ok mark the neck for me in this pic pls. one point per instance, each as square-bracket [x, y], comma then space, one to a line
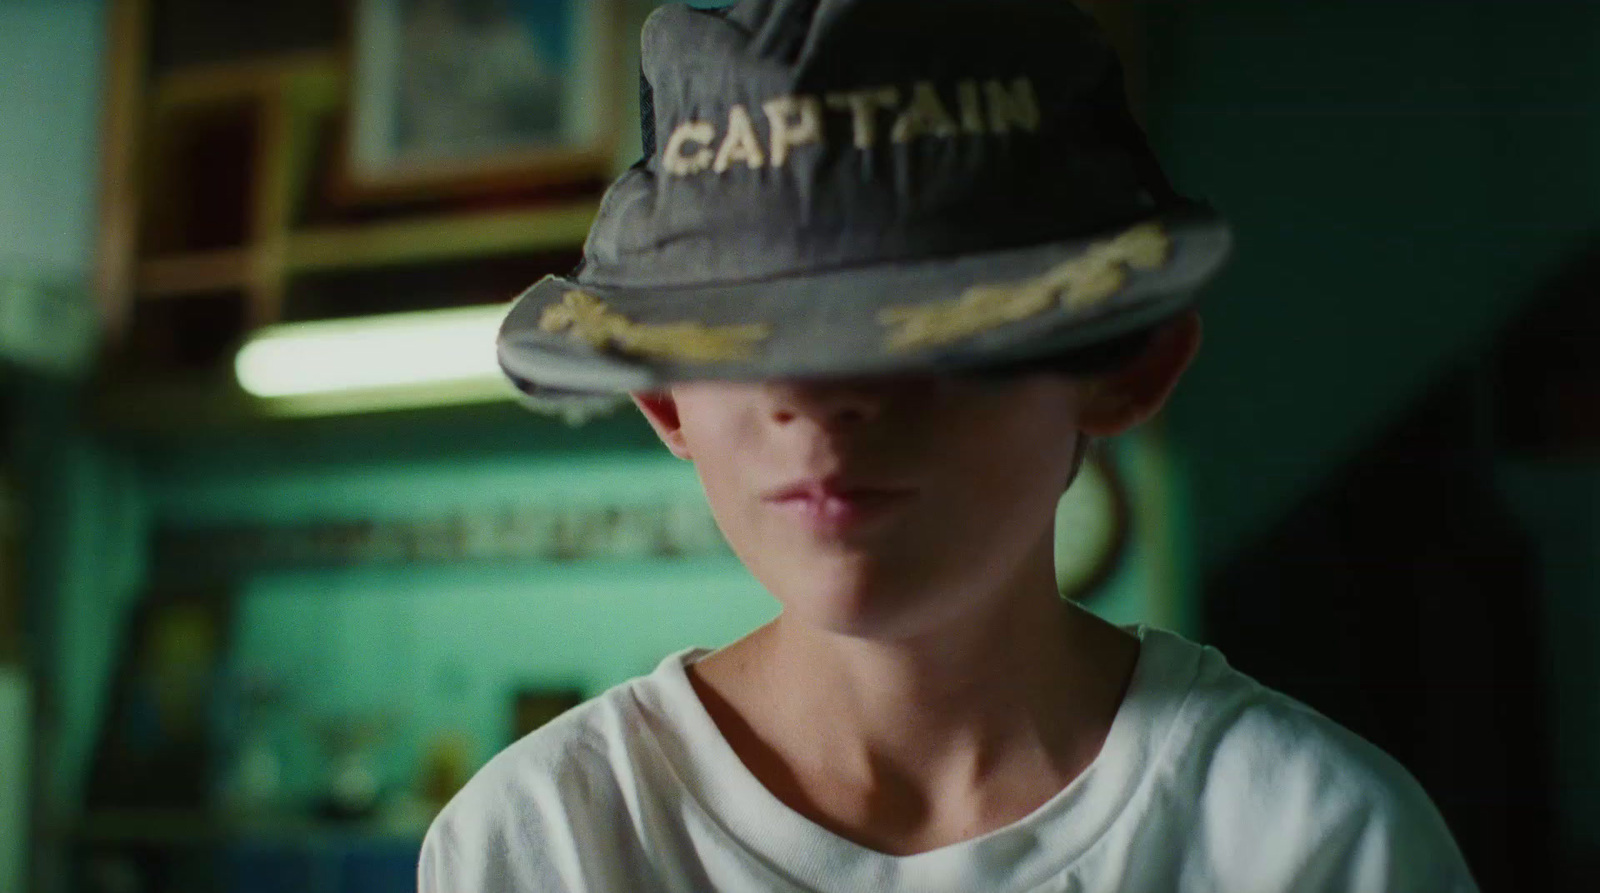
[1029, 677]
[994, 710]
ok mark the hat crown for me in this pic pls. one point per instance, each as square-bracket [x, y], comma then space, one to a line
[787, 136]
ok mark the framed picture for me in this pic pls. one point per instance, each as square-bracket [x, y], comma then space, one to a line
[452, 97]
[156, 746]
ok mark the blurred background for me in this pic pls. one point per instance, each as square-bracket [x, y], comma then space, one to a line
[266, 600]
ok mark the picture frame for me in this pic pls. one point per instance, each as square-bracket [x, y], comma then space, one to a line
[456, 98]
[156, 747]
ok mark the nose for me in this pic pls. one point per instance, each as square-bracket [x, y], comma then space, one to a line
[831, 404]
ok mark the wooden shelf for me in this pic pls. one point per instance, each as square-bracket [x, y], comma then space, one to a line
[230, 209]
[452, 237]
[195, 272]
[448, 237]
[257, 78]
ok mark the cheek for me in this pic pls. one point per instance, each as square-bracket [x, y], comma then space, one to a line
[727, 506]
[723, 469]
[1005, 485]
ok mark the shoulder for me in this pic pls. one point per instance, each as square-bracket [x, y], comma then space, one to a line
[527, 820]
[1283, 792]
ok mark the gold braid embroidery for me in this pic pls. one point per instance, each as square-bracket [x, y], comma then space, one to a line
[1078, 284]
[591, 321]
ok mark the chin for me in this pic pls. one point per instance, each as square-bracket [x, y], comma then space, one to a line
[856, 601]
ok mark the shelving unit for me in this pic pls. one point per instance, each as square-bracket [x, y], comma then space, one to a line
[226, 209]
[290, 103]
[416, 241]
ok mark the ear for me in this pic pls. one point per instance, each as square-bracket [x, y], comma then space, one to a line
[661, 411]
[1133, 394]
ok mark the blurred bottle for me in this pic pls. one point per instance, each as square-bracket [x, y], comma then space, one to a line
[254, 786]
[445, 769]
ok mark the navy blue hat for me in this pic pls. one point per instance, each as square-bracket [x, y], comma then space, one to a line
[858, 187]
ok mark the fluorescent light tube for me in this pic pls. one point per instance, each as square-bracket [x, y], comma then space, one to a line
[403, 359]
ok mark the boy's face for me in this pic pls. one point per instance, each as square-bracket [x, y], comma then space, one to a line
[884, 507]
[871, 507]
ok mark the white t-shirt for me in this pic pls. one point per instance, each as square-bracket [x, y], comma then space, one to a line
[1207, 781]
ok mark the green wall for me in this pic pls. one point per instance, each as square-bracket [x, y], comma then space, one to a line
[440, 648]
[50, 79]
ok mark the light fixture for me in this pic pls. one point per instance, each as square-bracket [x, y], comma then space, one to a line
[401, 360]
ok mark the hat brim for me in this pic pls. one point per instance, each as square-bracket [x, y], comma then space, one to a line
[828, 324]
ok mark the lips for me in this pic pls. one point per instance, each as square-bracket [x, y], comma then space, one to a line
[834, 506]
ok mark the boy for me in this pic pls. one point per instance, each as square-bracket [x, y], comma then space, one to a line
[886, 267]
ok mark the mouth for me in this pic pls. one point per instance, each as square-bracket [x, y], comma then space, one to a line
[832, 507]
